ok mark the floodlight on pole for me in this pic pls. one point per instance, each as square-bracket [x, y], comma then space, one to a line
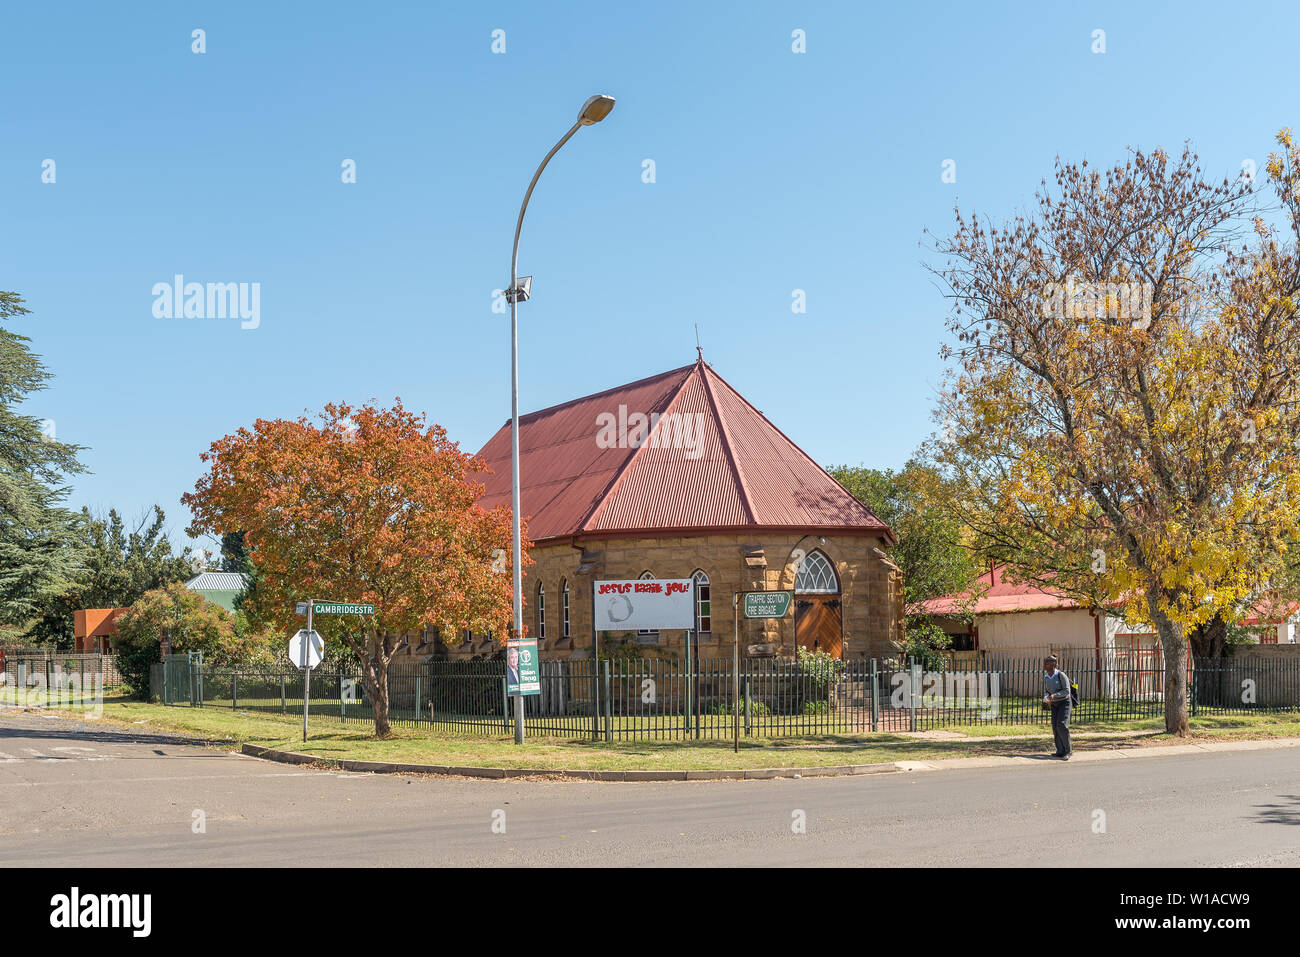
[521, 291]
[593, 111]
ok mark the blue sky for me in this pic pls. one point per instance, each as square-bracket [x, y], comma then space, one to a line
[774, 171]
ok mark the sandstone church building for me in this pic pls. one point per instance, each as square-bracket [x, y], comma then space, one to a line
[677, 476]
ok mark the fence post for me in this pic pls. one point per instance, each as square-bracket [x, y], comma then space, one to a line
[1192, 687]
[875, 697]
[747, 725]
[283, 709]
[342, 707]
[416, 702]
[234, 690]
[609, 707]
[505, 703]
[683, 685]
[912, 689]
[595, 681]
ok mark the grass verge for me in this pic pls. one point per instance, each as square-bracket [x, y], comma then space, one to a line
[330, 739]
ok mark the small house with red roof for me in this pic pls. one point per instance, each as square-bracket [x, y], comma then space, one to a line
[1000, 621]
[1019, 615]
[1004, 619]
[678, 476]
[1273, 621]
[1012, 615]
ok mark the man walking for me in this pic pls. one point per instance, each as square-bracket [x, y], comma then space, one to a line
[1056, 695]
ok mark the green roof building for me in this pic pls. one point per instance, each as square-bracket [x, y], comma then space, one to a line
[220, 587]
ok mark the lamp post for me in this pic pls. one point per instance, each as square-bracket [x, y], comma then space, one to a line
[593, 111]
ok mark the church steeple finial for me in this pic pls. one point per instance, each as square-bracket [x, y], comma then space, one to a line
[698, 351]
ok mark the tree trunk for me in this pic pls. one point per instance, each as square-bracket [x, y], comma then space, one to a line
[1210, 640]
[375, 674]
[382, 728]
[1174, 648]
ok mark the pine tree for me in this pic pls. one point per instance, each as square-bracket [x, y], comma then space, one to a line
[40, 551]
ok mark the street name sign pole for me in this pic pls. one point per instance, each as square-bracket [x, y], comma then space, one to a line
[757, 604]
[324, 608]
[735, 675]
[306, 671]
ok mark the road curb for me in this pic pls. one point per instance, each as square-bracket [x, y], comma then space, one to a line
[767, 774]
[388, 767]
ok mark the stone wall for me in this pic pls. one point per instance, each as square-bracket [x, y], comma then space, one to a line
[871, 588]
[1267, 676]
[1284, 652]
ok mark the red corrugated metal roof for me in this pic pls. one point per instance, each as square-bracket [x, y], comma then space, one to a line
[1271, 611]
[1000, 596]
[730, 468]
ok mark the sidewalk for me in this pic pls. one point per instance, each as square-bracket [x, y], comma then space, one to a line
[938, 764]
[1100, 754]
[942, 735]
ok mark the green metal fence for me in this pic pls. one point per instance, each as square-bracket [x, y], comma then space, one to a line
[663, 699]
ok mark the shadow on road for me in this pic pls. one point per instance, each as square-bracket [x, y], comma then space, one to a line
[1281, 813]
[105, 736]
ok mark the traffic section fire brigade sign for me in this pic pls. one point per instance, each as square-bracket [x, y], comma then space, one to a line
[645, 604]
[768, 604]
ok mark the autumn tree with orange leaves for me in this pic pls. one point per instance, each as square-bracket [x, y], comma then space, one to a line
[1123, 405]
[369, 505]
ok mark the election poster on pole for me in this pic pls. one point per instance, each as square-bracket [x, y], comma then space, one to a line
[522, 667]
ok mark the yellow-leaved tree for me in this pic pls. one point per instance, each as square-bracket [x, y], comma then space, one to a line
[1123, 400]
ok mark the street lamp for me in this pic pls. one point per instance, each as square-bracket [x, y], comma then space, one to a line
[593, 111]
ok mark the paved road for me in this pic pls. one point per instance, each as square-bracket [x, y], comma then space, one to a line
[76, 794]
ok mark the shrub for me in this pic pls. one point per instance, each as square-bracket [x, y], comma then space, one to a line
[756, 708]
[627, 648]
[925, 645]
[819, 670]
[194, 623]
[133, 663]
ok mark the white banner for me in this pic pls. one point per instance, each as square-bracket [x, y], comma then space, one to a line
[645, 604]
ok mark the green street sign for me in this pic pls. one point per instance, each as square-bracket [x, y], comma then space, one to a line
[768, 604]
[341, 608]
